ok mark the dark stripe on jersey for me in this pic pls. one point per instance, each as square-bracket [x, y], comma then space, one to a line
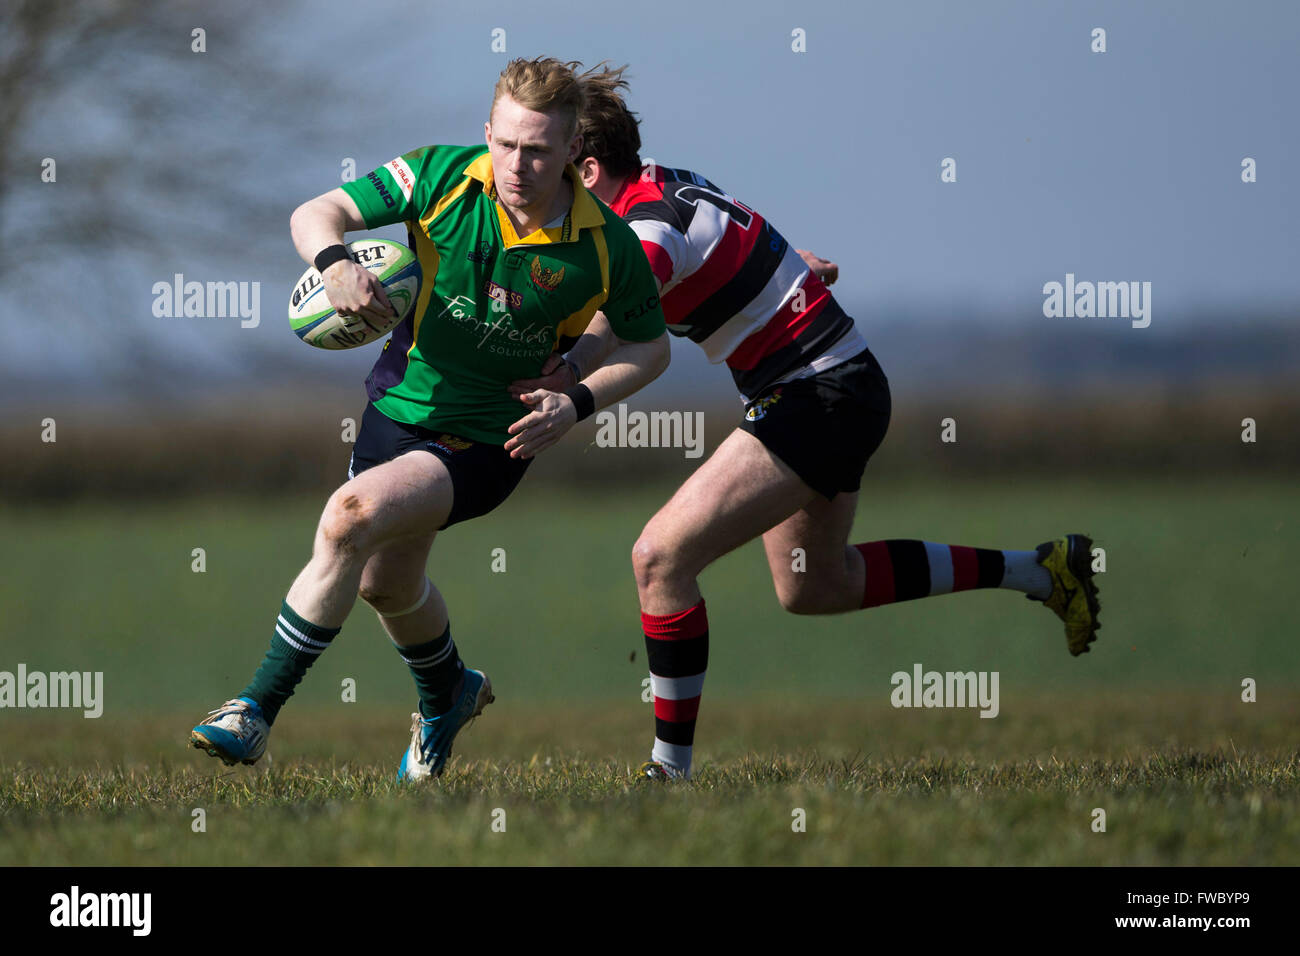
[390, 368]
[686, 177]
[992, 565]
[911, 569]
[661, 210]
[683, 658]
[760, 265]
[722, 264]
[831, 324]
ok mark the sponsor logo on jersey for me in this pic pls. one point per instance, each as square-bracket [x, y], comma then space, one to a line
[402, 173]
[380, 188]
[642, 309]
[498, 334]
[502, 294]
[758, 410]
[548, 280]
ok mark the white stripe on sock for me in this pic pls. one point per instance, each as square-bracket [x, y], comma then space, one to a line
[1022, 572]
[431, 660]
[304, 648]
[677, 688]
[940, 558]
[674, 755]
[300, 635]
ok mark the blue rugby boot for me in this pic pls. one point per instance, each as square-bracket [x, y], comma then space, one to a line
[236, 732]
[431, 737]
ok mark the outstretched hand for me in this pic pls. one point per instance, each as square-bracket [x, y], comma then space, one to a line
[552, 415]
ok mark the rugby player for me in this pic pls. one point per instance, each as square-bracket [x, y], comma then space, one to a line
[817, 405]
[518, 259]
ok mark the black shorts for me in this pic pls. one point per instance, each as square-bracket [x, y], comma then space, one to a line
[826, 426]
[482, 475]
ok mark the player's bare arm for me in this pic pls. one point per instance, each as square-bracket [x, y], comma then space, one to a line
[630, 367]
[320, 223]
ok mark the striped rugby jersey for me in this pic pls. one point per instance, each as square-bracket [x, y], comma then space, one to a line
[729, 281]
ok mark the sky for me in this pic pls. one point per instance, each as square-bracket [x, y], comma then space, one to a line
[832, 119]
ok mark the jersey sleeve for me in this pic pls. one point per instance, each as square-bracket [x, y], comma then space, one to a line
[665, 248]
[405, 188]
[632, 308]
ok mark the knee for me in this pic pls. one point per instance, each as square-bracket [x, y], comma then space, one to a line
[387, 596]
[652, 560]
[347, 525]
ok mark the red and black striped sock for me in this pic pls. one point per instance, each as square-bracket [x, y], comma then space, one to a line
[905, 569]
[678, 648]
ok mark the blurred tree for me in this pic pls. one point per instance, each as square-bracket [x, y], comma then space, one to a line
[160, 152]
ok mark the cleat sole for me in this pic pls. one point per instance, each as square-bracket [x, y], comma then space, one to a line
[199, 742]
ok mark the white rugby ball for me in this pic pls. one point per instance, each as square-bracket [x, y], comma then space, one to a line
[314, 320]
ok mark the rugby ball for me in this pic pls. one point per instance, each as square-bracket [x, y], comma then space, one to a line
[314, 320]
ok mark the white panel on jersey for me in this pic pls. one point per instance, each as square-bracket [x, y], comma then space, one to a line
[671, 241]
[789, 276]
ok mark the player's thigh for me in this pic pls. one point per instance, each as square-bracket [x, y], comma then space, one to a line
[740, 492]
[410, 495]
[396, 571]
[809, 545]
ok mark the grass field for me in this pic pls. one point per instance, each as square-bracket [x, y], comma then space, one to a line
[1150, 727]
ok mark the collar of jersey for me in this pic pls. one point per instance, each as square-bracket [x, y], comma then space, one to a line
[583, 214]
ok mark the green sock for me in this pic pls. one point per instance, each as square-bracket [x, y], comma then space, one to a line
[437, 670]
[295, 645]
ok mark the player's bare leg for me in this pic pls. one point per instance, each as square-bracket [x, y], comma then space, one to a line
[825, 575]
[410, 495]
[735, 496]
[414, 614]
[829, 575]
[395, 584]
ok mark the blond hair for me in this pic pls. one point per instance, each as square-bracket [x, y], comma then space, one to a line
[543, 84]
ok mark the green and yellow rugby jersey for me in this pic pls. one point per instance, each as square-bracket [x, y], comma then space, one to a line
[493, 305]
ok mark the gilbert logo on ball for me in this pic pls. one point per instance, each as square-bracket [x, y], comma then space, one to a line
[313, 319]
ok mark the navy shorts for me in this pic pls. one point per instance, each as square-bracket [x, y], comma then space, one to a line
[482, 475]
[826, 426]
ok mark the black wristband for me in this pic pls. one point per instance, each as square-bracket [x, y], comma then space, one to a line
[582, 400]
[330, 255]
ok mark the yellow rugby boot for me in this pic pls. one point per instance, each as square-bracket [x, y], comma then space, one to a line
[1074, 595]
